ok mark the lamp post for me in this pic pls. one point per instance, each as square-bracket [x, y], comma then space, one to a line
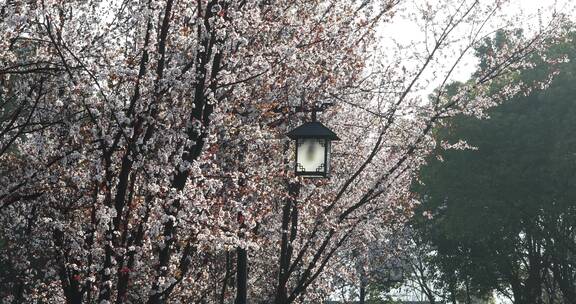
[313, 142]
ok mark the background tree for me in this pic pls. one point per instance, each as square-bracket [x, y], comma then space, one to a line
[501, 213]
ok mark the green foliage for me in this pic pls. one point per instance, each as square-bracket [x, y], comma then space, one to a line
[377, 292]
[503, 204]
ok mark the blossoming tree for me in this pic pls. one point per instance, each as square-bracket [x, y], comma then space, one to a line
[143, 149]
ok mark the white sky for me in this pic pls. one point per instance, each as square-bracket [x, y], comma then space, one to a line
[530, 14]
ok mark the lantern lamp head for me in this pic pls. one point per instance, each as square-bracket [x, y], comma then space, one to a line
[313, 143]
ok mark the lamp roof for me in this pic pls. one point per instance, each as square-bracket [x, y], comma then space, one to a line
[313, 129]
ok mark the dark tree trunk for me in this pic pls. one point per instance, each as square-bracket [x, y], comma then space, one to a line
[226, 277]
[362, 298]
[468, 296]
[201, 113]
[241, 276]
[281, 291]
[289, 220]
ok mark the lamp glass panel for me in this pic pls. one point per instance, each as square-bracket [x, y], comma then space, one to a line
[311, 155]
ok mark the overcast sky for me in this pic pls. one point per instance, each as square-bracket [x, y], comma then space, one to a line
[530, 12]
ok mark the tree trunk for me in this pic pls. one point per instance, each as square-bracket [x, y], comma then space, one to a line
[289, 220]
[468, 296]
[362, 298]
[281, 296]
[226, 277]
[241, 276]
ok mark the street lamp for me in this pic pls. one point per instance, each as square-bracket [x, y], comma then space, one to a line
[313, 142]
